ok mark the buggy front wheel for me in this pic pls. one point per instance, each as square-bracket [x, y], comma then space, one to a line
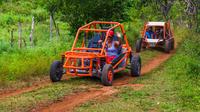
[107, 75]
[56, 71]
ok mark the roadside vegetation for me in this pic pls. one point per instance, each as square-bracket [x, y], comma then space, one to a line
[20, 67]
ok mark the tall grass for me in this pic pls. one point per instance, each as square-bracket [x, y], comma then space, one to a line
[24, 64]
[31, 62]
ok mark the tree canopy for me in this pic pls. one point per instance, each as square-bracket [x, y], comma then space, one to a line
[79, 12]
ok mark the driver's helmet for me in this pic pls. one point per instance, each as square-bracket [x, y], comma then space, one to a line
[111, 33]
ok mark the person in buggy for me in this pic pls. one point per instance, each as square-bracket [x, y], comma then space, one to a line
[149, 33]
[112, 46]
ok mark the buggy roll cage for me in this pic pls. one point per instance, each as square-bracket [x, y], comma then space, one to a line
[92, 26]
[166, 26]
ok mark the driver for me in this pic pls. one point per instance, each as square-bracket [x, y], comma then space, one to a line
[112, 47]
[149, 33]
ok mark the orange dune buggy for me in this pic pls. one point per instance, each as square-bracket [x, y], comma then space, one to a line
[156, 34]
[89, 58]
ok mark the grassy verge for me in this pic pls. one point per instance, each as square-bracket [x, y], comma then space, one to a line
[148, 55]
[27, 64]
[21, 67]
[174, 86]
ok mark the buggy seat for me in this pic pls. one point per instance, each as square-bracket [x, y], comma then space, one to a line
[93, 43]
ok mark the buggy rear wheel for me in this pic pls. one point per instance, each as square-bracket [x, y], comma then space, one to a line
[167, 46]
[56, 71]
[138, 45]
[135, 66]
[107, 75]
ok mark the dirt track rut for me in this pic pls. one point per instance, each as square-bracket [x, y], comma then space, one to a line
[9, 93]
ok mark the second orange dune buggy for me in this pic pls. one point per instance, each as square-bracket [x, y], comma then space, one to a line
[89, 58]
[162, 36]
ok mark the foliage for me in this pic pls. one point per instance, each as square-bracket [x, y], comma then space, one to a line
[79, 12]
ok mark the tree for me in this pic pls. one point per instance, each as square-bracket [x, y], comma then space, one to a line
[78, 12]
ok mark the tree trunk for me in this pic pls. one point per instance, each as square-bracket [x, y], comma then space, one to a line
[20, 35]
[32, 30]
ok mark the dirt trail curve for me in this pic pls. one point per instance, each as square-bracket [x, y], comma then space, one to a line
[69, 102]
[9, 93]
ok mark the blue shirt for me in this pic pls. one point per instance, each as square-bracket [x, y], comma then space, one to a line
[149, 33]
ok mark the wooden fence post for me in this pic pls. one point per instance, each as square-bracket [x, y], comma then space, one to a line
[51, 28]
[31, 34]
[20, 35]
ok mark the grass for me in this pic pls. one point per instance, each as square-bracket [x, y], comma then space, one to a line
[24, 64]
[56, 91]
[156, 95]
[46, 95]
[161, 92]
[19, 66]
[148, 54]
[174, 86]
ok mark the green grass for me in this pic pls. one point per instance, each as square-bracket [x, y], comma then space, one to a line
[174, 86]
[28, 64]
[56, 91]
[24, 64]
[46, 95]
[162, 91]
[157, 94]
[149, 54]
